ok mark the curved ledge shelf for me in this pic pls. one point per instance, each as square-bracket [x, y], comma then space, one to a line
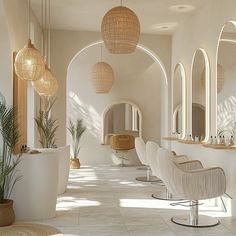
[170, 138]
[189, 142]
[219, 146]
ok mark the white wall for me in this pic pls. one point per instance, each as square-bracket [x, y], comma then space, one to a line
[137, 78]
[203, 30]
[66, 44]
[5, 57]
[14, 37]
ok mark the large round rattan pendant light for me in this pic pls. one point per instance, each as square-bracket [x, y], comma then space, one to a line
[120, 30]
[29, 64]
[47, 85]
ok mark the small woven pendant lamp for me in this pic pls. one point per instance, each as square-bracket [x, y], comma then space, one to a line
[102, 77]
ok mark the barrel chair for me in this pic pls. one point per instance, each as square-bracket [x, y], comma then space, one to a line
[140, 148]
[122, 143]
[192, 184]
[151, 152]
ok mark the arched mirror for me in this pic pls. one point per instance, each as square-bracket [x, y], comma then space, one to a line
[200, 96]
[121, 118]
[179, 101]
[226, 81]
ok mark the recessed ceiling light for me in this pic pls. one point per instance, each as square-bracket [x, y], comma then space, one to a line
[182, 8]
[165, 26]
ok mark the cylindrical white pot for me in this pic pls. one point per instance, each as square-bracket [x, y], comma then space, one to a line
[35, 195]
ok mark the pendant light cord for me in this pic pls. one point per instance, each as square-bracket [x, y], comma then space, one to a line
[101, 52]
[45, 32]
[29, 17]
[49, 33]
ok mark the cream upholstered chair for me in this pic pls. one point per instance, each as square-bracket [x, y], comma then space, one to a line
[151, 153]
[140, 148]
[192, 184]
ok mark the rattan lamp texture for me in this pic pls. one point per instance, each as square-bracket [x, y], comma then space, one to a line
[120, 30]
[47, 85]
[29, 64]
[102, 77]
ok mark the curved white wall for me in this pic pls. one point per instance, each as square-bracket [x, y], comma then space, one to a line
[66, 44]
[137, 78]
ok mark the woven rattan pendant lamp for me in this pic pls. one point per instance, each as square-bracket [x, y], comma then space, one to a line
[29, 64]
[120, 30]
[102, 76]
[47, 85]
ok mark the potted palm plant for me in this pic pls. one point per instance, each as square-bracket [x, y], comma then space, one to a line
[46, 125]
[76, 130]
[8, 163]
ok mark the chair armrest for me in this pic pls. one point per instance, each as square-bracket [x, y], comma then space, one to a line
[190, 165]
[204, 183]
[180, 158]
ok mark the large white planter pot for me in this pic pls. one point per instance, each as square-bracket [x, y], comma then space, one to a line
[64, 168]
[63, 155]
[35, 195]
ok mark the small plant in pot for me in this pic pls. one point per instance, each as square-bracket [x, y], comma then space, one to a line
[46, 125]
[9, 136]
[76, 130]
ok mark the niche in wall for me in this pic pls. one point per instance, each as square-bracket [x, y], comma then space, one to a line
[121, 118]
[179, 100]
[200, 96]
[226, 81]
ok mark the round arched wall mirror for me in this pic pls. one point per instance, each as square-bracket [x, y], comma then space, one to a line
[200, 96]
[179, 101]
[121, 118]
[226, 81]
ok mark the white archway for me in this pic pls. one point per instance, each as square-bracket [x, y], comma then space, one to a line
[156, 59]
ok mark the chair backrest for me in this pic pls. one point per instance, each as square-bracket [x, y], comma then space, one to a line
[122, 142]
[151, 154]
[140, 148]
[169, 172]
[192, 185]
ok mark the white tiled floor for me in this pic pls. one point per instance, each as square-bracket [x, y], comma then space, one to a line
[108, 201]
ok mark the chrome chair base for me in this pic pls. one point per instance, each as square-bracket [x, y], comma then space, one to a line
[148, 179]
[165, 197]
[142, 168]
[202, 221]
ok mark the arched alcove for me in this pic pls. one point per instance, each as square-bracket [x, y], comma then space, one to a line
[138, 78]
[112, 105]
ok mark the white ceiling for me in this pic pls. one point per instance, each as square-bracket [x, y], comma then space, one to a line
[87, 14]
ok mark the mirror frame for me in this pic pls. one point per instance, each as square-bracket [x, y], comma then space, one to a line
[108, 107]
[207, 93]
[173, 109]
[233, 22]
